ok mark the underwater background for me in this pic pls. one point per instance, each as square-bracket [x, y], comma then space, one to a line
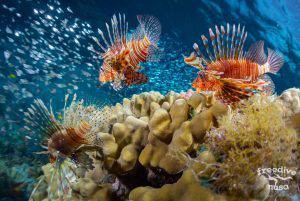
[45, 53]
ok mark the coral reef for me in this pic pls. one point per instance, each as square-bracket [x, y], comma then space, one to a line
[187, 188]
[254, 135]
[86, 189]
[187, 147]
[290, 100]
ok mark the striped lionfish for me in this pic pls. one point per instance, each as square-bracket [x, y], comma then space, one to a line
[123, 52]
[67, 141]
[230, 72]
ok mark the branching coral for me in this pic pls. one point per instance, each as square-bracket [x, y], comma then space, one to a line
[252, 136]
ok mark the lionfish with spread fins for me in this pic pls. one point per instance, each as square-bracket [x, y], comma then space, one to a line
[66, 141]
[229, 71]
[123, 52]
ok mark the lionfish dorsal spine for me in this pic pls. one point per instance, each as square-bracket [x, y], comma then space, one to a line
[109, 34]
[99, 44]
[213, 43]
[238, 46]
[205, 43]
[103, 38]
[200, 55]
[196, 48]
[117, 24]
[239, 49]
[124, 25]
[232, 42]
[227, 40]
[222, 41]
[242, 53]
[120, 27]
[113, 28]
[237, 42]
[117, 33]
[219, 43]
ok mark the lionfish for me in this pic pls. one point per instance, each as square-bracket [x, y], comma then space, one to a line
[123, 52]
[229, 72]
[66, 141]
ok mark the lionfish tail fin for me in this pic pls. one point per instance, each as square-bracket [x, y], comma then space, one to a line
[234, 90]
[40, 120]
[225, 42]
[274, 61]
[149, 27]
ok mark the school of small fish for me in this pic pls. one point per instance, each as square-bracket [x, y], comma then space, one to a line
[41, 55]
[53, 46]
[53, 54]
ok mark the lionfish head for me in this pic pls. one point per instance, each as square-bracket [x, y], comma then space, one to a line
[205, 82]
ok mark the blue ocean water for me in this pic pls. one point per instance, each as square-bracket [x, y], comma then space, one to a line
[45, 53]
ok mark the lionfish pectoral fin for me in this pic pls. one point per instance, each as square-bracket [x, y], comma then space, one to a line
[82, 158]
[106, 75]
[116, 32]
[41, 152]
[62, 175]
[268, 86]
[132, 77]
[233, 90]
[40, 120]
